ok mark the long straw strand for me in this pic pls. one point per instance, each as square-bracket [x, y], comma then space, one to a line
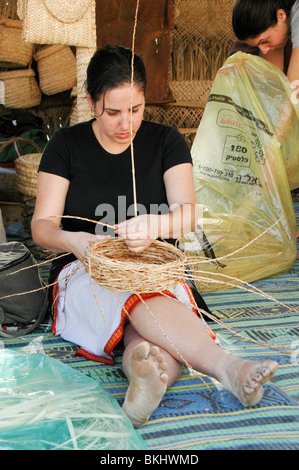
[202, 312]
[80, 218]
[184, 361]
[94, 294]
[131, 110]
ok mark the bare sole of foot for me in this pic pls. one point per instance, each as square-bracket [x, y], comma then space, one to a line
[148, 383]
[245, 379]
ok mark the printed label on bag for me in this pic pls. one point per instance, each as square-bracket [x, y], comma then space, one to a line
[239, 147]
[235, 151]
[230, 119]
[233, 176]
[245, 113]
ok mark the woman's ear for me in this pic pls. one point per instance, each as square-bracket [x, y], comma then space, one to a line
[281, 15]
[90, 102]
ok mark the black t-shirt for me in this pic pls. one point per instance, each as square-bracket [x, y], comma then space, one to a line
[101, 184]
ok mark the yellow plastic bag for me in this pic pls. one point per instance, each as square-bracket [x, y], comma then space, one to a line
[245, 161]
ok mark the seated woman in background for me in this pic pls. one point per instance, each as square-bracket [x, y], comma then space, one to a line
[269, 28]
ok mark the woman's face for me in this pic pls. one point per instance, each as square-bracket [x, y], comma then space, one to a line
[274, 37]
[113, 116]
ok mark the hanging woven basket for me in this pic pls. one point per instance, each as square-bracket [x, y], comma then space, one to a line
[64, 13]
[71, 23]
[14, 52]
[19, 89]
[26, 173]
[56, 68]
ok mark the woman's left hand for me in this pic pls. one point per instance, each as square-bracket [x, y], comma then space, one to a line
[139, 232]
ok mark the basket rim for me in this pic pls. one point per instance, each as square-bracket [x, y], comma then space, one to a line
[28, 158]
[10, 23]
[49, 50]
[149, 271]
[11, 74]
[175, 252]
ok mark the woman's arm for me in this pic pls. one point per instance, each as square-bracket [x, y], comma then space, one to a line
[293, 70]
[140, 231]
[182, 202]
[45, 225]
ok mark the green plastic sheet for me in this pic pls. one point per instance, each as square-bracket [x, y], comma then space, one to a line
[46, 405]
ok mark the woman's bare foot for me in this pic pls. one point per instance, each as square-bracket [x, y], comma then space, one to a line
[245, 379]
[146, 369]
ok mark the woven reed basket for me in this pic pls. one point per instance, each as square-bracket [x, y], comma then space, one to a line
[20, 89]
[14, 52]
[26, 173]
[156, 269]
[57, 69]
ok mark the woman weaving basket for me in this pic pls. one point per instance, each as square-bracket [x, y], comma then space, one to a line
[86, 170]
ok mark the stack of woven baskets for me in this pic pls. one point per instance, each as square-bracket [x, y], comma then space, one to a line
[26, 183]
[19, 88]
[26, 173]
[19, 85]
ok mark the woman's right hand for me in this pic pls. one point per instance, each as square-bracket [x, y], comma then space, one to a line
[80, 241]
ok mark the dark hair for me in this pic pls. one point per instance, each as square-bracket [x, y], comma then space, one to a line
[110, 67]
[253, 17]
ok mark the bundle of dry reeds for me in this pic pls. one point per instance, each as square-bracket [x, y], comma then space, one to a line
[202, 38]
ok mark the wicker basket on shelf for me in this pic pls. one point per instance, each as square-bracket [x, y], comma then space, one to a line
[14, 52]
[56, 69]
[19, 89]
[26, 173]
[26, 183]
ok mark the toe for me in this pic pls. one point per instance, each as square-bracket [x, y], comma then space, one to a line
[160, 357]
[154, 351]
[270, 367]
[253, 383]
[164, 377]
[248, 390]
[267, 370]
[258, 377]
[163, 365]
[141, 351]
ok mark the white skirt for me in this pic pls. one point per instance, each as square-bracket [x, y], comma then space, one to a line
[93, 317]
